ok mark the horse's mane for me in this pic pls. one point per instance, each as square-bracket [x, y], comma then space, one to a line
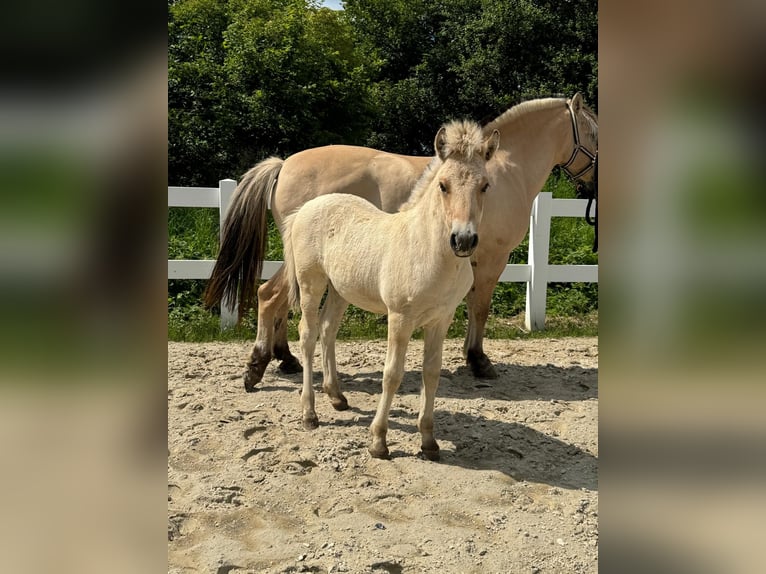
[591, 121]
[523, 108]
[461, 137]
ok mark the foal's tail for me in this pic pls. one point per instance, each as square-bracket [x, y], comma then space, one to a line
[244, 238]
[290, 276]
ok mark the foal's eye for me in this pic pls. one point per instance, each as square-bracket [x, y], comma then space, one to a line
[442, 187]
[485, 188]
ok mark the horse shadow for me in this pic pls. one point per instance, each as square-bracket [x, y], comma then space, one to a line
[515, 383]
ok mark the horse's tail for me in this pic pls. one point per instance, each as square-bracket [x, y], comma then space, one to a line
[294, 295]
[243, 238]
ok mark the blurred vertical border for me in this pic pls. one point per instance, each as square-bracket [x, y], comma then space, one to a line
[682, 285]
[83, 173]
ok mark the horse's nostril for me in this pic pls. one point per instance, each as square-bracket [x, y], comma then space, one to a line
[475, 241]
[453, 241]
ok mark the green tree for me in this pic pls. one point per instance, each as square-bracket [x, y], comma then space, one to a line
[474, 58]
[251, 78]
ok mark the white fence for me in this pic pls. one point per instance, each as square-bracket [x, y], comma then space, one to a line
[536, 274]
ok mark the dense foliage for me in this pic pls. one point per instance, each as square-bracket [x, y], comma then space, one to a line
[253, 78]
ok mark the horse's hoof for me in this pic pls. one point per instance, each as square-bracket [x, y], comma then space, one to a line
[430, 454]
[251, 380]
[340, 404]
[481, 366]
[254, 374]
[381, 453]
[311, 423]
[290, 366]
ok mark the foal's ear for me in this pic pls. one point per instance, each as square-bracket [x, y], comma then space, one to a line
[439, 142]
[576, 102]
[491, 144]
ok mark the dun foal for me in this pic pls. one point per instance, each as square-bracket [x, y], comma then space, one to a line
[411, 265]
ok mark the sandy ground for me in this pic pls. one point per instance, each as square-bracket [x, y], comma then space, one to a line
[516, 490]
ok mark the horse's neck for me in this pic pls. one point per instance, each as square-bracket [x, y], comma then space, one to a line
[535, 143]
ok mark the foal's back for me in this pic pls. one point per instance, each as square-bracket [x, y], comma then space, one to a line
[344, 238]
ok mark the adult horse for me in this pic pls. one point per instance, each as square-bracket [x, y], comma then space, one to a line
[411, 265]
[536, 136]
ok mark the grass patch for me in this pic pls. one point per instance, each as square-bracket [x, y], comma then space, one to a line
[196, 324]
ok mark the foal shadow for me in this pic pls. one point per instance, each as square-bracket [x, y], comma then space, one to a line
[514, 449]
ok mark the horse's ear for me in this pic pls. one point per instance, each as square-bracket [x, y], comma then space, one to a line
[439, 142]
[576, 102]
[491, 144]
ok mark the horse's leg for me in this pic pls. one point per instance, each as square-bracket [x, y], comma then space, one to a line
[399, 332]
[432, 363]
[311, 298]
[329, 321]
[289, 363]
[479, 299]
[268, 295]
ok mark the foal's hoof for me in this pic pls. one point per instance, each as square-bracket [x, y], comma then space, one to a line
[340, 404]
[311, 423]
[481, 366]
[381, 453]
[290, 366]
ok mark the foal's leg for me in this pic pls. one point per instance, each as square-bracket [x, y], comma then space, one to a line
[329, 321]
[311, 298]
[479, 300]
[272, 332]
[432, 363]
[399, 332]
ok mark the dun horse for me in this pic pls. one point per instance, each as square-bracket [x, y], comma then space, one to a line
[536, 136]
[412, 265]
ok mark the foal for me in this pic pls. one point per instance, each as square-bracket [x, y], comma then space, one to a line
[411, 265]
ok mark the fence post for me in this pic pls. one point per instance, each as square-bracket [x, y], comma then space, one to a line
[539, 243]
[226, 189]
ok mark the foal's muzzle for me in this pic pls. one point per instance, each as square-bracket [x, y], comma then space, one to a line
[463, 243]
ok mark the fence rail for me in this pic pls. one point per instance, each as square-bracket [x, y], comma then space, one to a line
[537, 273]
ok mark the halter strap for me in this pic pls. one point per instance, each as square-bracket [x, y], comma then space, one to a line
[578, 149]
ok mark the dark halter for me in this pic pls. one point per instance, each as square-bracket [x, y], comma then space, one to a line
[576, 177]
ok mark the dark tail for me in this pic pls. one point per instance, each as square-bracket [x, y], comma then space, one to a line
[243, 239]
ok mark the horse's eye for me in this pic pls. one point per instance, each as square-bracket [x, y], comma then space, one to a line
[485, 188]
[443, 187]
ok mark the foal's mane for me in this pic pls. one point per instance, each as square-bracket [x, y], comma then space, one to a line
[524, 108]
[463, 138]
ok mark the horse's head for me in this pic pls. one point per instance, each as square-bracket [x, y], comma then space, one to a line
[462, 180]
[584, 145]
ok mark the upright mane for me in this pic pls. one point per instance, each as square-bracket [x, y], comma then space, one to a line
[524, 108]
[591, 121]
[462, 138]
